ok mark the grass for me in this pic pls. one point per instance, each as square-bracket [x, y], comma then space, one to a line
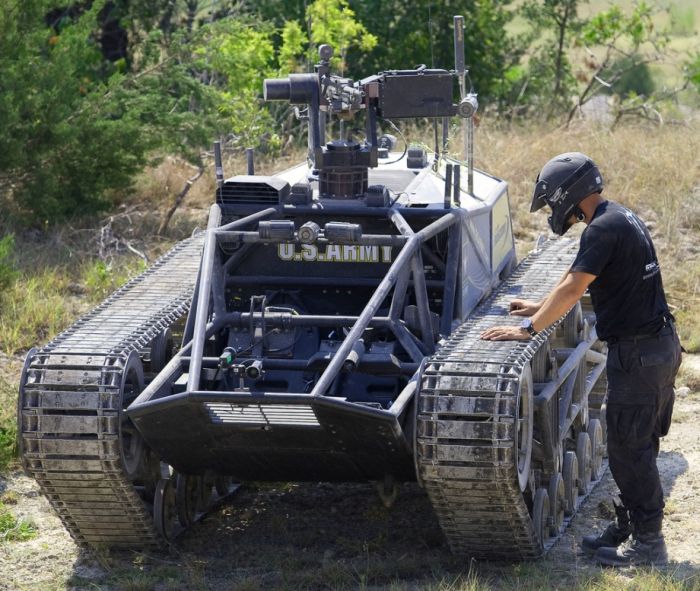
[8, 424]
[536, 576]
[43, 301]
[13, 529]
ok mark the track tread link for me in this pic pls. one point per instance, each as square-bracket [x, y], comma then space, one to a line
[70, 401]
[467, 411]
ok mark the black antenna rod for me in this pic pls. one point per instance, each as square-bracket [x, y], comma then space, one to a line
[218, 165]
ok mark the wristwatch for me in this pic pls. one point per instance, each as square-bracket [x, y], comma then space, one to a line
[527, 325]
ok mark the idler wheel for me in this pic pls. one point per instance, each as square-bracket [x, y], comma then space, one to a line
[224, 485]
[570, 476]
[164, 510]
[557, 503]
[132, 446]
[541, 516]
[524, 419]
[187, 494]
[595, 433]
[572, 326]
[583, 455]
[543, 364]
[161, 351]
[206, 491]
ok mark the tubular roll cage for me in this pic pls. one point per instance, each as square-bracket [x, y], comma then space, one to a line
[407, 262]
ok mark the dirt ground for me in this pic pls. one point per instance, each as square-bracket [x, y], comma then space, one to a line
[321, 536]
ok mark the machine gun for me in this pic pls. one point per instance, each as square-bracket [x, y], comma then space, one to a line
[341, 165]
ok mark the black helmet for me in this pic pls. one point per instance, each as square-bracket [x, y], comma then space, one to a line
[562, 184]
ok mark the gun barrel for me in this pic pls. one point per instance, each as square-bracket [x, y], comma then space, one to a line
[298, 89]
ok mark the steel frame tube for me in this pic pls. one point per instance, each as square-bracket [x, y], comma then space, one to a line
[282, 319]
[249, 219]
[242, 280]
[451, 273]
[202, 311]
[304, 364]
[363, 321]
[248, 237]
[569, 365]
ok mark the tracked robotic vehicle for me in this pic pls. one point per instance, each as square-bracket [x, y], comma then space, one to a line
[326, 327]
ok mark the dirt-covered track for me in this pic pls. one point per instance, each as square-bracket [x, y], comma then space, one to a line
[74, 438]
[474, 419]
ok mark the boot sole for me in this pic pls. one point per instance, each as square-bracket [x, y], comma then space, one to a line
[612, 563]
[588, 551]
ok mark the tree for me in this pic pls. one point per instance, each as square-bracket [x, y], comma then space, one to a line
[614, 41]
[554, 24]
[74, 126]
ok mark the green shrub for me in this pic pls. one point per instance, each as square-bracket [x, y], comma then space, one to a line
[8, 425]
[14, 530]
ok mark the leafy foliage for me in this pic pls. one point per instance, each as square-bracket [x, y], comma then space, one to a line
[620, 64]
[333, 22]
[548, 80]
[14, 530]
[78, 121]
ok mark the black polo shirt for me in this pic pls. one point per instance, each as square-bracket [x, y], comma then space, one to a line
[628, 295]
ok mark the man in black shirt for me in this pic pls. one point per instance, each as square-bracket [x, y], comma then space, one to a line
[617, 263]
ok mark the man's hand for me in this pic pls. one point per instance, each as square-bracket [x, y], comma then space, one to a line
[505, 333]
[524, 307]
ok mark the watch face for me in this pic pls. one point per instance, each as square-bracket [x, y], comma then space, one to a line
[527, 325]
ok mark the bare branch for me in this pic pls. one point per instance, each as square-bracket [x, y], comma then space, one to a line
[179, 198]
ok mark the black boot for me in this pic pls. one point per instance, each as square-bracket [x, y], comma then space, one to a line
[645, 549]
[616, 533]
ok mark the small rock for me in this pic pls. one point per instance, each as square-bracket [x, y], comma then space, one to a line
[682, 392]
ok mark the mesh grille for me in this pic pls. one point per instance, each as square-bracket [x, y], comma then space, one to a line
[263, 415]
[252, 189]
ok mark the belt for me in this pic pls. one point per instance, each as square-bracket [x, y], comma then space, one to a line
[668, 328]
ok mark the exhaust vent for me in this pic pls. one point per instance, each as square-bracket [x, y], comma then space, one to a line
[252, 189]
[262, 415]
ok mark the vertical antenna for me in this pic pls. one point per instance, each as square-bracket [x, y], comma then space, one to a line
[448, 185]
[250, 160]
[218, 165]
[430, 34]
[468, 104]
[457, 186]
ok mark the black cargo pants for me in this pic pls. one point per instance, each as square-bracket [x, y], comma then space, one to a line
[641, 372]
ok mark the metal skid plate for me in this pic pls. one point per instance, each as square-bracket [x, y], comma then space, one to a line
[299, 438]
